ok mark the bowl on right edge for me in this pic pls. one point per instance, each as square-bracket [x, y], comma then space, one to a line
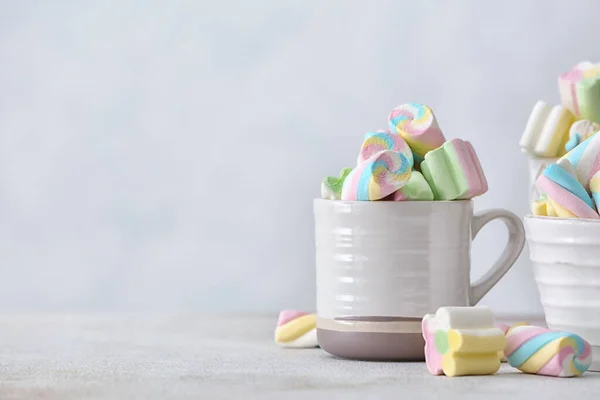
[565, 254]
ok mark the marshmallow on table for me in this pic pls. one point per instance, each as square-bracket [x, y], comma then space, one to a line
[331, 187]
[377, 177]
[580, 91]
[296, 329]
[374, 142]
[415, 189]
[454, 172]
[567, 196]
[585, 158]
[580, 131]
[505, 329]
[462, 341]
[542, 351]
[547, 130]
[418, 126]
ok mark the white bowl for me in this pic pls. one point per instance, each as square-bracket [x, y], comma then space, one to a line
[565, 254]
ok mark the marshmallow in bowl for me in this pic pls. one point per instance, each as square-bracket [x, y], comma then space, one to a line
[547, 130]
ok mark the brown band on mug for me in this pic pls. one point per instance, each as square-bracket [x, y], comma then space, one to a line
[371, 324]
[377, 346]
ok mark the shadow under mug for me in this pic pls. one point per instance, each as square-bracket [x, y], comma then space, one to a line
[381, 266]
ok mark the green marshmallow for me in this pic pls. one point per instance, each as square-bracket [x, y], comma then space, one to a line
[416, 188]
[588, 95]
[331, 187]
[453, 171]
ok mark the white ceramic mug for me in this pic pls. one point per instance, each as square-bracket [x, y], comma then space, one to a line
[382, 265]
[565, 255]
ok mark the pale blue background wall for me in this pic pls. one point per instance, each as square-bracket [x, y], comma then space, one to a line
[162, 155]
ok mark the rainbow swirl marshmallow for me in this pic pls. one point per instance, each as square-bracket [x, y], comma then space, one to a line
[547, 130]
[375, 142]
[580, 90]
[585, 158]
[377, 177]
[565, 194]
[580, 131]
[296, 329]
[416, 123]
[462, 341]
[331, 187]
[505, 329]
[415, 189]
[453, 171]
[541, 351]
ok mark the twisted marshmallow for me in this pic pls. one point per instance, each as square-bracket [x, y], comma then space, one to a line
[541, 351]
[418, 126]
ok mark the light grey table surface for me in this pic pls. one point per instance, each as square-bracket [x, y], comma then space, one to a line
[199, 357]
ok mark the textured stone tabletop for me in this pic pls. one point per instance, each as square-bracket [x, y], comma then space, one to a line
[195, 357]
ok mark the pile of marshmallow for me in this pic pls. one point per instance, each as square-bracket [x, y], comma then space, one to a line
[463, 341]
[552, 131]
[466, 341]
[570, 188]
[411, 161]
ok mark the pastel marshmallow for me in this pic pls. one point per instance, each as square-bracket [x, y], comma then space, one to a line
[580, 91]
[416, 189]
[454, 172]
[505, 329]
[542, 351]
[462, 341]
[542, 207]
[377, 177]
[547, 130]
[331, 187]
[566, 195]
[374, 142]
[585, 158]
[417, 124]
[296, 329]
[580, 131]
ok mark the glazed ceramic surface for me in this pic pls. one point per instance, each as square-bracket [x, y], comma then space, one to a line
[565, 255]
[382, 265]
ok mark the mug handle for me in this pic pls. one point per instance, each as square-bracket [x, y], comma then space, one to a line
[516, 241]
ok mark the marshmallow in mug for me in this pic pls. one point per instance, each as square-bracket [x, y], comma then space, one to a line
[377, 177]
[375, 142]
[331, 187]
[416, 188]
[386, 160]
[454, 171]
[417, 124]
